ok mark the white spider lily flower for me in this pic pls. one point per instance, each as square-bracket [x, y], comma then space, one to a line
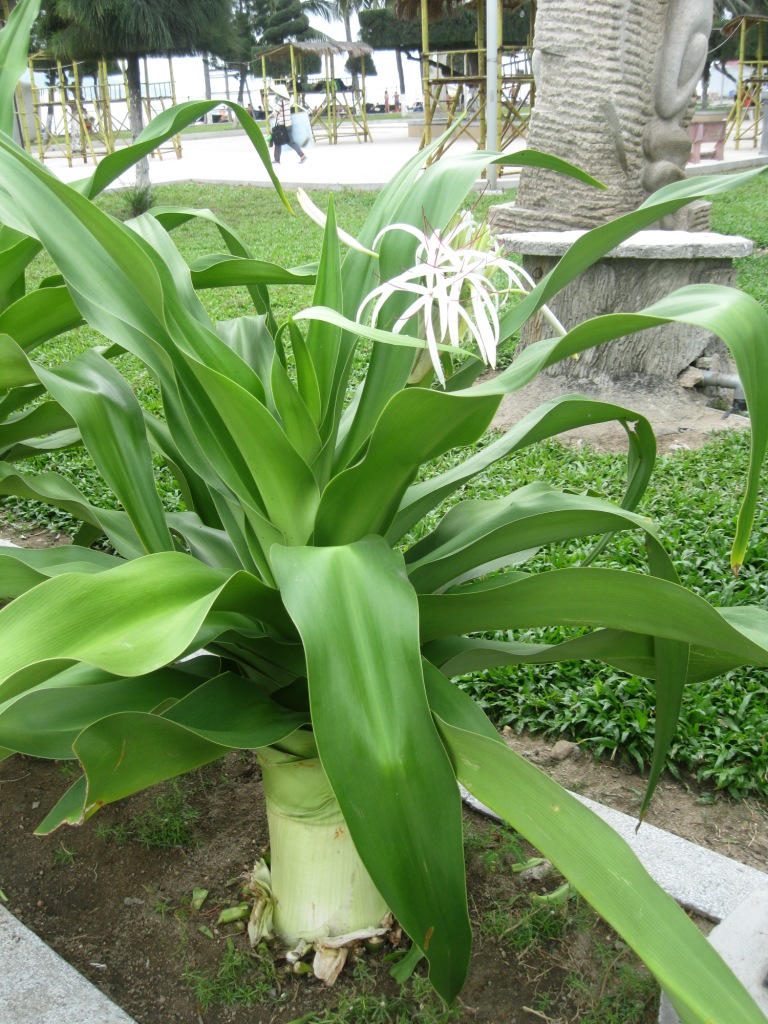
[316, 214]
[454, 289]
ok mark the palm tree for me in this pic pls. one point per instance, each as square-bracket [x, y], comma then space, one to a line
[132, 29]
[342, 10]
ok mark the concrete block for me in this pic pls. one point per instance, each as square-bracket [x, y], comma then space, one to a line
[38, 987]
[645, 245]
[741, 939]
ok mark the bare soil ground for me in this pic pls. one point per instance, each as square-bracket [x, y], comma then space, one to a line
[680, 417]
[121, 913]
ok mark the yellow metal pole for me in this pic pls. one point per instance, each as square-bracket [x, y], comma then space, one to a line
[740, 85]
[265, 90]
[761, 82]
[36, 110]
[85, 135]
[176, 140]
[367, 137]
[64, 110]
[427, 137]
[294, 85]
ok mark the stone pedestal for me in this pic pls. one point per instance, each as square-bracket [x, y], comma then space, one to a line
[636, 274]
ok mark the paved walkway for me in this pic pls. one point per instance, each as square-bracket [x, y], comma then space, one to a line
[229, 157]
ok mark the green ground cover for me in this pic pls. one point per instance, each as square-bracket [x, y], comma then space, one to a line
[723, 734]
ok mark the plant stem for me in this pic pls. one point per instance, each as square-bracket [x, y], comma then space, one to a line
[320, 886]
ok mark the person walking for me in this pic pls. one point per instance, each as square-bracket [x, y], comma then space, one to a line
[281, 125]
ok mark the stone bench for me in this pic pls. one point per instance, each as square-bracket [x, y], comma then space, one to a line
[707, 130]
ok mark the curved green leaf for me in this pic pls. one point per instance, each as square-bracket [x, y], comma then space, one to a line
[23, 568]
[477, 536]
[38, 316]
[14, 50]
[25, 429]
[111, 425]
[606, 872]
[376, 742]
[223, 270]
[164, 126]
[46, 721]
[129, 621]
[738, 319]
[417, 425]
[129, 751]
[55, 490]
[599, 597]
[551, 418]
[594, 244]
[629, 652]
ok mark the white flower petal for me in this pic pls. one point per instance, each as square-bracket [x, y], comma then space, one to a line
[316, 214]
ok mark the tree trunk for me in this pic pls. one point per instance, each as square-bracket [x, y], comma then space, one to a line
[319, 884]
[348, 36]
[207, 77]
[705, 85]
[136, 118]
[400, 72]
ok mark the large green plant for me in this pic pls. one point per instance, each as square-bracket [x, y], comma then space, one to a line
[330, 639]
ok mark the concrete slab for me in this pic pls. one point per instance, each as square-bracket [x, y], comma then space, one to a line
[38, 987]
[645, 245]
[742, 941]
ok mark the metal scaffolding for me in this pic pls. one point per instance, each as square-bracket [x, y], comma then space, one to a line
[462, 83]
[73, 118]
[744, 119]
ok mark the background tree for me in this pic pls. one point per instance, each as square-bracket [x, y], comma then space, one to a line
[249, 20]
[343, 11]
[289, 23]
[130, 30]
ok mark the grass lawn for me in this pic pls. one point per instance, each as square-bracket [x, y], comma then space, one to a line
[723, 734]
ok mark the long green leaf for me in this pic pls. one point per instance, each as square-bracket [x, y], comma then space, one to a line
[38, 316]
[738, 319]
[599, 597]
[601, 866]
[164, 126]
[551, 418]
[594, 244]
[111, 424]
[14, 50]
[23, 568]
[131, 620]
[475, 536]
[417, 425]
[55, 490]
[380, 752]
[225, 271]
[46, 721]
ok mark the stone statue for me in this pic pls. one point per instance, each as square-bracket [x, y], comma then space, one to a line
[666, 142]
[614, 87]
[615, 81]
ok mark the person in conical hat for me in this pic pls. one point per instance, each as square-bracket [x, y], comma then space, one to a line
[281, 124]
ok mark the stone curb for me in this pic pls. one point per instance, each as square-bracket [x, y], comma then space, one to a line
[38, 987]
